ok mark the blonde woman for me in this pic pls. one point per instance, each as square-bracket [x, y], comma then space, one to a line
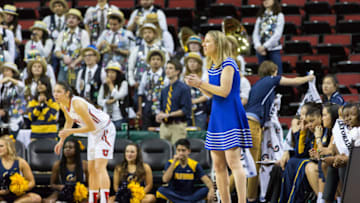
[228, 129]
[10, 164]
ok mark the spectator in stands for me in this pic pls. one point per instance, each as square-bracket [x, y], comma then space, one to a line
[11, 102]
[56, 22]
[39, 40]
[261, 97]
[175, 105]
[181, 174]
[193, 44]
[330, 90]
[69, 169]
[301, 175]
[114, 43]
[34, 54]
[267, 32]
[193, 65]
[96, 19]
[43, 111]
[134, 168]
[69, 45]
[137, 17]
[11, 164]
[36, 68]
[11, 23]
[137, 60]
[113, 94]
[152, 82]
[245, 85]
[91, 77]
[166, 38]
[7, 42]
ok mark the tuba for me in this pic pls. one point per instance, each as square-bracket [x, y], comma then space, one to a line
[231, 26]
[184, 34]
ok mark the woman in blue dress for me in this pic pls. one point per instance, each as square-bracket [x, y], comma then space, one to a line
[228, 129]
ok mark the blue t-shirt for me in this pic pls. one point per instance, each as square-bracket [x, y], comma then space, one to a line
[261, 96]
[335, 98]
[183, 179]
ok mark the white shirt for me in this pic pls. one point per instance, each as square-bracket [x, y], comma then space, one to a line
[107, 35]
[92, 70]
[81, 33]
[117, 93]
[45, 50]
[89, 13]
[159, 12]
[11, 43]
[100, 118]
[47, 20]
[245, 88]
[154, 76]
[133, 55]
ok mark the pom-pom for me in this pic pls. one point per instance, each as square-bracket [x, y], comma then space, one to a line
[18, 184]
[80, 193]
[137, 192]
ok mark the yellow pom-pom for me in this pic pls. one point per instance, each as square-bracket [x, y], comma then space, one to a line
[137, 192]
[80, 193]
[82, 147]
[18, 184]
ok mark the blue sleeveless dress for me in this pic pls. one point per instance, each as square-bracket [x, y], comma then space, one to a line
[5, 180]
[228, 125]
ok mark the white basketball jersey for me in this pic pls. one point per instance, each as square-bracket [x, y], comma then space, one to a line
[100, 118]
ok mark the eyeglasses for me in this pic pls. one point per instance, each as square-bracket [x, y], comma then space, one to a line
[89, 55]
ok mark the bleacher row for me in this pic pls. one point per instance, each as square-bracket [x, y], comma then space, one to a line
[155, 151]
[319, 35]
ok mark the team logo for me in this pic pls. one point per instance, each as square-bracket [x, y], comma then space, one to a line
[105, 152]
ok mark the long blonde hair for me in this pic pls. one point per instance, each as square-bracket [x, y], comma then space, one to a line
[10, 146]
[223, 50]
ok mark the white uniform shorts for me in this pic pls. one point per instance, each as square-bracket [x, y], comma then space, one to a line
[101, 144]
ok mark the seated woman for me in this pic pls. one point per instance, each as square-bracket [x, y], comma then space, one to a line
[348, 120]
[10, 164]
[43, 111]
[134, 168]
[301, 174]
[69, 170]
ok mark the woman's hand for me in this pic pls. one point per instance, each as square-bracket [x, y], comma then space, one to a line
[58, 147]
[318, 131]
[64, 133]
[4, 192]
[193, 80]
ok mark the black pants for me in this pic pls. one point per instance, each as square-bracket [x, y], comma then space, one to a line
[334, 175]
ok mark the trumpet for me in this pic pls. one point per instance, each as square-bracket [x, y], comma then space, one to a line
[231, 26]
[184, 34]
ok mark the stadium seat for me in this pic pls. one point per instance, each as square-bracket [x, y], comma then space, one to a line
[335, 45]
[86, 3]
[139, 136]
[26, 24]
[347, 7]
[330, 19]
[353, 17]
[204, 28]
[292, 23]
[348, 66]
[351, 97]
[253, 78]
[182, 4]
[254, 2]
[199, 153]
[156, 152]
[237, 3]
[161, 3]
[199, 134]
[41, 158]
[286, 120]
[27, 13]
[301, 44]
[320, 26]
[222, 10]
[20, 149]
[125, 3]
[173, 21]
[215, 20]
[289, 62]
[348, 80]
[27, 4]
[251, 63]
[299, 3]
[348, 26]
[119, 152]
[44, 11]
[292, 7]
[317, 7]
[249, 10]
[312, 62]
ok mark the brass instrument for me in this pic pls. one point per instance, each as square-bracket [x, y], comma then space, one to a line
[184, 34]
[106, 48]
[231, 26]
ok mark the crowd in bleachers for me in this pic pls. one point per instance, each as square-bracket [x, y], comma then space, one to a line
[117, 55]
